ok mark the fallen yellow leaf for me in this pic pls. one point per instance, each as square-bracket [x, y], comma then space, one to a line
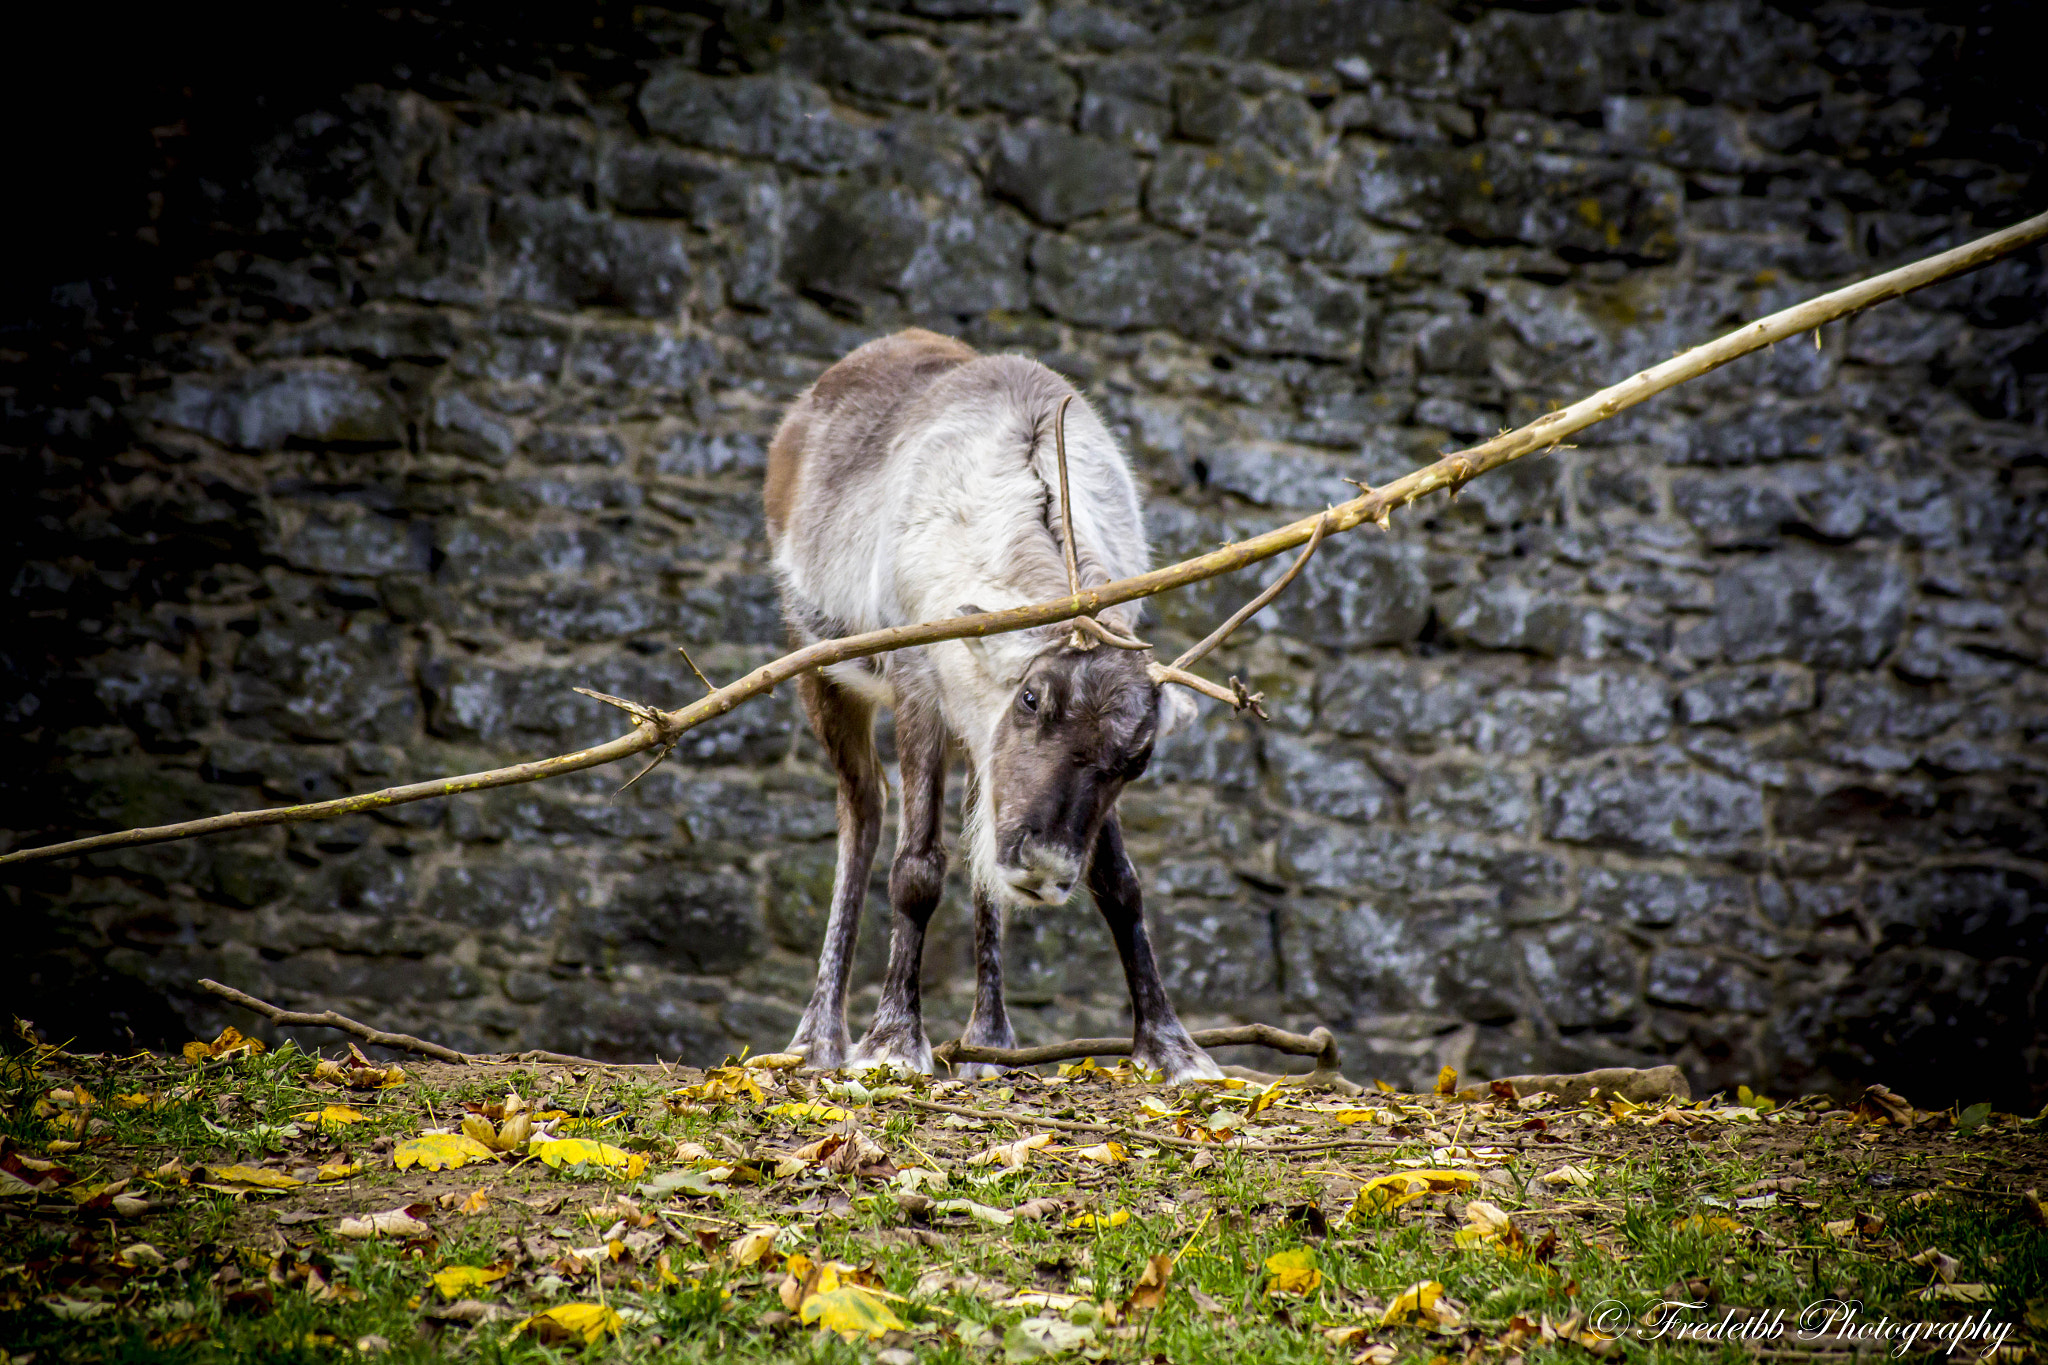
[571, 1322]
[720, 1084]
[359, 1072]
[1106, 1153]
[1423, 1304]
[231, 1043]
[1358, 1116]
[1385, 1192]
[752, 1246]
[823, 1113]
[1447, 1081]
[455, 1281]
[253, 1175]
[333, 1113]
[339, 1169]
[477, 1202]
[1293, 1272]
[1700, 1222]
[1100, 1220]
[509, 1136]
[588, 1151]
[1266, 1099]
[851, 1310]
[1488, 1225]
[440, 1152]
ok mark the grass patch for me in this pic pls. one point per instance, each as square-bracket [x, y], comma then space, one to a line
[166, 1210]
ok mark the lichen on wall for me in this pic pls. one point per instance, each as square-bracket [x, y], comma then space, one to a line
[435, 380]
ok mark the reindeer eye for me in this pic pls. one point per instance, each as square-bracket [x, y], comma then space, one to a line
[1028, 699]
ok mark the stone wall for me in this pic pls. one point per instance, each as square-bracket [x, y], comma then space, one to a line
[360, 406]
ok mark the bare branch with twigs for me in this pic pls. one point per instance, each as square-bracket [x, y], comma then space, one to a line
[1375, 506]
[404, 1042]
[329, 1019]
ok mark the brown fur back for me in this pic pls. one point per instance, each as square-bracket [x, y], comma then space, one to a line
[869, 386]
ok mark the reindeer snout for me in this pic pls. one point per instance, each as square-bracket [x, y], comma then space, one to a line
[1042, 874]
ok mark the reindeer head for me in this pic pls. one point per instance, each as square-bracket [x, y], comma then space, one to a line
[1079, 725]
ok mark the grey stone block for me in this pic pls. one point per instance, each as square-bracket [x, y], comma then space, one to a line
[1659, 804]
[1829, 610]
[270, 408]
[1060, 176]
[764, 116]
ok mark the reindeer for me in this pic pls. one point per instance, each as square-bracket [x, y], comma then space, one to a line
[915, 480]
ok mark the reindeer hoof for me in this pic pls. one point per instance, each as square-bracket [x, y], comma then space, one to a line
[821, 1049]
[907, 1051]
[1178, 1057]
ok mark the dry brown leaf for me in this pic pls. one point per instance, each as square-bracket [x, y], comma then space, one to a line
[1011, 1155]
[2032, 1209]
[857, 1152]
[1574, 1330]
[231, 1043]
[1944, 1266]
[1880, 1105]
[404, 1223]
[1150, 1291]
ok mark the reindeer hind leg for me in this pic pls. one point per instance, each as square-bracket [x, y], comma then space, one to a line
[844, 722]
[917, 880]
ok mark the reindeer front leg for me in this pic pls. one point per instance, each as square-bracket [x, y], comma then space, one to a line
[989, 1024]
[917, 879]
[844, 723]
[1158, 1039]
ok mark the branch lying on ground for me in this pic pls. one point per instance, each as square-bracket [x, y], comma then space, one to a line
[1136, 1134]
[661, 728]
[405, 1042]
[1320, 1044]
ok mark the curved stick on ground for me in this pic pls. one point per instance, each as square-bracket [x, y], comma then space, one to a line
[404, 1042]
[329, 1019]
[1373, 507]
[1320, 1044]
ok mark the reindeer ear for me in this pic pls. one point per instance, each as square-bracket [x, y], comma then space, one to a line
[1177, 710]
[974, 642]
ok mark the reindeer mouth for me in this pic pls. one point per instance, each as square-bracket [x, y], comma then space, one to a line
[1042, 877]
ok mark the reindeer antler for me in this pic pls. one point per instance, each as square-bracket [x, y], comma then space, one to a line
[1239, 698]
[1085, 627]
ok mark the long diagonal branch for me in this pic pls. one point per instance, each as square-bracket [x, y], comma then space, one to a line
[1451, 472]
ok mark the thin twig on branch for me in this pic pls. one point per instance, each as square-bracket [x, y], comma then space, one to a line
[1451, 472]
